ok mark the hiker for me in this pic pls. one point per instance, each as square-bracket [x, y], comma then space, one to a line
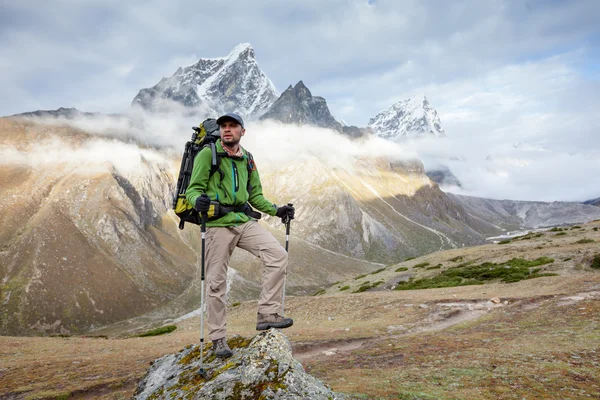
[226, 195]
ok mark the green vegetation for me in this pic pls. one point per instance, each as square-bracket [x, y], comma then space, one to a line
[410, 258]
[596, 228]
[595, 262]
[159, 331]
[359, 277]
[421, 265]
[319, 292]
[560, 234]
[344, 288]
[567, 259]
[455, 259]
[585, 240]
[514, 270]
[505, 241]
[435, 267]
[576, 227]
[378, 271]
[366, 286]
[401, 269]
[555, 229]
[237, 303]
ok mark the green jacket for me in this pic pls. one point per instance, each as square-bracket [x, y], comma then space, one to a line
[225, 191]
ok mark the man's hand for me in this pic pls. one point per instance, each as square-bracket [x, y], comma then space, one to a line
[286, 213]
[202, 204]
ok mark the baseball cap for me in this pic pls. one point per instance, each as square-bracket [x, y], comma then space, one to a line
[230, 116]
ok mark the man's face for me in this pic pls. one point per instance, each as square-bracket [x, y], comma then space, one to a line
[231, 132]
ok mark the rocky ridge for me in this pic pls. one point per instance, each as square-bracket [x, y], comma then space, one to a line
[297, 105]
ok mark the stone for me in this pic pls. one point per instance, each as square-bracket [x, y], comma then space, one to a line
[264, 368]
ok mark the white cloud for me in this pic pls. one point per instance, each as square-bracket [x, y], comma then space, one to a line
[499, 72]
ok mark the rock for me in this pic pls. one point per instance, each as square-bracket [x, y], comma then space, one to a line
[264, 368]
[495, 300]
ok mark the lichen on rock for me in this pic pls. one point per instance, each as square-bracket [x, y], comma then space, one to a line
[264, 368]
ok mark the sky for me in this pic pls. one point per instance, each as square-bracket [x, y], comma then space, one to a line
[516, 83]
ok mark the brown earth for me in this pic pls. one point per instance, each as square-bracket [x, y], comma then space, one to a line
[534, 339]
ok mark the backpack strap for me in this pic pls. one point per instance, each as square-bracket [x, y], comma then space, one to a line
[251, 167]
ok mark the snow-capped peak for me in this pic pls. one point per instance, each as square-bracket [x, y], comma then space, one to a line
[407, 119]
[216, 85]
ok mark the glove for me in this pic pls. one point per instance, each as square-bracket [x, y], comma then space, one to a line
[285, 213]
[202, 204]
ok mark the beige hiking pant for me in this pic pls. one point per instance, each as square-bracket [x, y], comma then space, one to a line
[220, 243]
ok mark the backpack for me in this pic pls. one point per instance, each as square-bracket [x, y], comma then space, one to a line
[205, 135]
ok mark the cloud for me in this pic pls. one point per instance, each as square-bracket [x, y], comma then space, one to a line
[499, 72]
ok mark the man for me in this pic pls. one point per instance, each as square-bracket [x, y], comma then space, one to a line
[229, 189]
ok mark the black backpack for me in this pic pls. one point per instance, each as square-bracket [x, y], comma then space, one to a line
[206, 134]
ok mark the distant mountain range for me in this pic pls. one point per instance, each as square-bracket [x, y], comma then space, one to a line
[236, 83]
[594, 202]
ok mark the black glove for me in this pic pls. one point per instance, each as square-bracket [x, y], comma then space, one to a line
[285, 213]
[202, 204]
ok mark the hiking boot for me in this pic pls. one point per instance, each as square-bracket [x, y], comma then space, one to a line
[268, 321]
[221, 348]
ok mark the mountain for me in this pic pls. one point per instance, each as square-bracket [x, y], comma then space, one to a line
[443, 176]
[594, 202]
[526, 214]
[62, 112]
[297, 105]
[408, 119]
[215, 85]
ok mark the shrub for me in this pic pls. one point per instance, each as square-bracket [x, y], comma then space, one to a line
[513, 270]
[421, 265]
[455, 259]
[595, 262]
[596, 228]
[505, 241]
[555, 229]
[410, 258]
[576, 227]
[319, 292]
[560, 234]
[435, 267]
[237, 303]
[567, 259]
[366, 286]
[360, 276]
[159, 331]
[378, 271]
[344, 288]
[401, 269]
[585, 240]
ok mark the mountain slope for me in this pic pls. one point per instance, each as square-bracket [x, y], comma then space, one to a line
[215, 85]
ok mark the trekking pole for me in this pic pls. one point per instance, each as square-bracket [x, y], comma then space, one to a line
[202, 372]
[287, 241]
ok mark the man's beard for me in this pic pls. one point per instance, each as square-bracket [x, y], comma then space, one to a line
[231, 142]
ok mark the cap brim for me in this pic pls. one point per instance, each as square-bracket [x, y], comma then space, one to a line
[226, 118]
